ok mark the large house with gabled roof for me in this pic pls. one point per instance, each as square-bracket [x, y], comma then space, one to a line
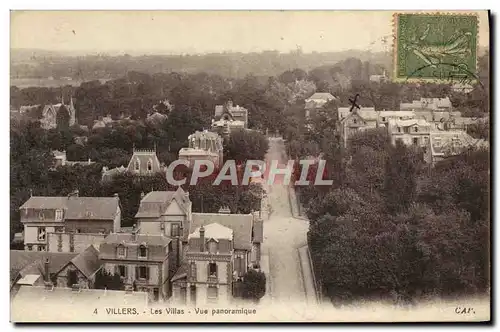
[144, 162]
[68, 224]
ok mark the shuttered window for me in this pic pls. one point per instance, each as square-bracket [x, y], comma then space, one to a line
[142, 272]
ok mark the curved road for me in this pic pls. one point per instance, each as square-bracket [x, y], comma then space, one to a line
[283, 236]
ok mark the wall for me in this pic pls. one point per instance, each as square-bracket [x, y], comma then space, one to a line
[31, 232]
[89, 226]
[223, 294]
[117, 222]
[62, 278]
[154, 272]
[61, 242]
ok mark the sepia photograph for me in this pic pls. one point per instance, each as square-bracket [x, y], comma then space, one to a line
[245, 166]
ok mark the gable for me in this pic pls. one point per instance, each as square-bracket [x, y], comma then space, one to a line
[174, 208]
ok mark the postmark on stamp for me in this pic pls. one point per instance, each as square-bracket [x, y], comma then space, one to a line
[438, 47]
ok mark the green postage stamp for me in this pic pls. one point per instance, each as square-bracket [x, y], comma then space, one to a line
[435, 47]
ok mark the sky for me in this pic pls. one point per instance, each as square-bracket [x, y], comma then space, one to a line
[174, 32]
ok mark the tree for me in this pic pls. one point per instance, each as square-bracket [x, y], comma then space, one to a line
[106, 280]
[254, 285]
[400, 178]
[243, 145]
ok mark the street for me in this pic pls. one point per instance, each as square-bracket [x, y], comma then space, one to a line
[283, 236]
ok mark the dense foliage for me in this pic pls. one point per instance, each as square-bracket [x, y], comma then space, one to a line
[254, 285]
[396, 228]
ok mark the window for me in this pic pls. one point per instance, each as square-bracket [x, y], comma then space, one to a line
[89, 214]
[137, 165]
[121, 251]
[212, 270]
[415, 141]
[174, 231]
[30, 247]
[415, 129]
[143, 251]
[59, 214]
[354, 121]
[78, 230]
[212, 292]
[41, 216]
[213, 247]
[406, 130]
[59, 229]
[41, 233]
[41, 248]
[399, 129]
[143, 272]
[122, 271]
[383, 118]
[193, 270]
[150, 166]
[239, 265]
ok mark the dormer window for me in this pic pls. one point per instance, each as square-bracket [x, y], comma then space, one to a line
[59, 214]
[41, 215]
[121, 251]
[416, 129]
[89, 214]
[143, 251]
[213, 247]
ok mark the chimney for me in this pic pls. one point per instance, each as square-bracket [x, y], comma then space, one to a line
[134, 232]
[46, 270]
[116, 195]
[142, 195]
[202, 239]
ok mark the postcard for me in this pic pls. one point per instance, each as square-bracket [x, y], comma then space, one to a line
[250, 166]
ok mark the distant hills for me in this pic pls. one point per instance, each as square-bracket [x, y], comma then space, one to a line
[43, 64]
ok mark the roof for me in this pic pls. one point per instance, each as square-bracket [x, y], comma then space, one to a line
[213, 231]
[29, 279]
[60, 304]
[241, 224]
[154, 204]
[181, 272]
[57, 153]
[397, 114]
[24, 262]
[95, 208]
[233, 110]
[87, 261]
[322, 96]
[204, 134]
[100, 208]
[143, 157]
[409, 122]
[150, 240]
[43, 202]
[158, 196]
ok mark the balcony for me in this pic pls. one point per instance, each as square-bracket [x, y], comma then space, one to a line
[212, 279]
